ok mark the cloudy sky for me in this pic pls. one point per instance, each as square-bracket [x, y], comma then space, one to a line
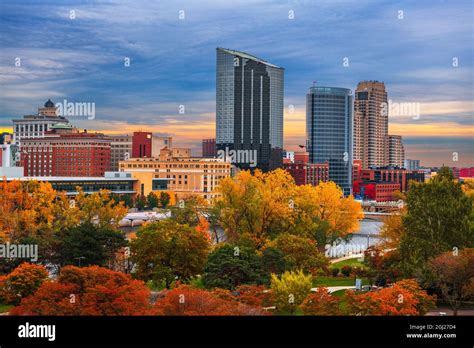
[422, 50]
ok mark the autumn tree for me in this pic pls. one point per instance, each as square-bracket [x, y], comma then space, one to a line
[382, 267]
[23, 281]
[321, 302]
[290, 290]
[392, 230]
[188, 210]
[399, 299]
[454, 276]
[300, 253]
[254, 295]
[439, 217]
[188, 301]
[230, 266]
[87, 291]
[166, 250]
[264, 205]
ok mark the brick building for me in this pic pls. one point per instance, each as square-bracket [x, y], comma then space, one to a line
[304, 172]
[63, 151]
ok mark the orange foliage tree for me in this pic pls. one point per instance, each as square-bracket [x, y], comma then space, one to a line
[21, 282]
[88, 291]
[188, 301]
[400, 299]
[321, 302]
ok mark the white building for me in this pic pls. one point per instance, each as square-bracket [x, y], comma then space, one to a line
[34, 126]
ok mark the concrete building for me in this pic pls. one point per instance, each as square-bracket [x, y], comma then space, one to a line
[186, 176]
[120, 150]
[370, 124]
[249, 108]
[329, 127]
[393, 175]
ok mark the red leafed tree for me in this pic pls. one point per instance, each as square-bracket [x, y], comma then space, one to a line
[187, 301]
[88, 291]
[254, 295]
[396, 300]
[321, 302]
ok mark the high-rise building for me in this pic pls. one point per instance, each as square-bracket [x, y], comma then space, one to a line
[411, 164]
[63, 151]
[370, 124]
[35, 126]
[329, 127]
[249, 108]
[209, 148]
[120, 150]
[158, 143]
[395, 151]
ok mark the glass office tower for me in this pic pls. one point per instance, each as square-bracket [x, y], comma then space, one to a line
[249, 108]
[329, 127]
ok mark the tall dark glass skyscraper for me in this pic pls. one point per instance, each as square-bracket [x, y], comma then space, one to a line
[249, 108]
[329, 127]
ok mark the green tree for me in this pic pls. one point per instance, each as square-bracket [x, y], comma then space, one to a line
[290, 291]
[273, 261]
[89, 244]
[152, 200]
[439, 217]
[164, 199]
[166, 251]
[230, 266]
[140, 203]
[300, 253]
[188, 210]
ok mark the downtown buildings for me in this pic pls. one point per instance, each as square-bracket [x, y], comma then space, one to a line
[329, 129]
[249, 108]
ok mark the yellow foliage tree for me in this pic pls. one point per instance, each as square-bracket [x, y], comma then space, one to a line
[262, 206]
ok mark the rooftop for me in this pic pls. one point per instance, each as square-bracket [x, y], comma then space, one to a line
[248, 56]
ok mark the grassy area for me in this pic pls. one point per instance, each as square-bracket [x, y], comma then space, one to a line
[4, 307]
[349, 262]
[336, 281]
[338, 293]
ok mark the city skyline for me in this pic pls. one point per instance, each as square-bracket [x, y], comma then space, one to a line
[413, 56]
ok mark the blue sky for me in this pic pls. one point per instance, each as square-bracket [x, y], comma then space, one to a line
[173, 62]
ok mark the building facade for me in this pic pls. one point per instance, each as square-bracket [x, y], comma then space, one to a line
[329, 128]
[370, 124]
[395, 151]
[65, 152]
[35, 126]
[249, 107]
[186, 176]
[120, 150]
[393, 175]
